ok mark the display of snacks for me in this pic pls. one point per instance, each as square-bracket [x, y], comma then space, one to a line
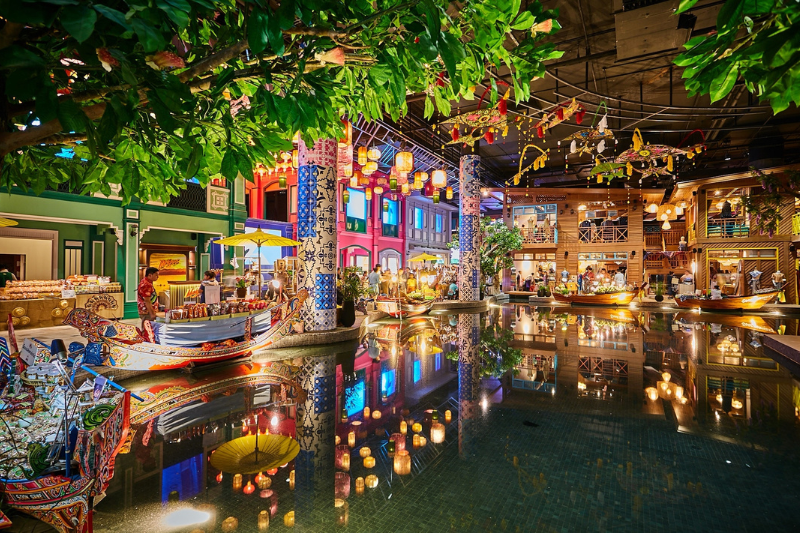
[189, 311]
[28, 290]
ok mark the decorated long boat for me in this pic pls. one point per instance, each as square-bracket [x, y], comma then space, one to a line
[132, 349]
[403, 307]
[612, 298]
[65, 501]
[727, 303]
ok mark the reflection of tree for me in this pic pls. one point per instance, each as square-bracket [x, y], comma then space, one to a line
[496, 355]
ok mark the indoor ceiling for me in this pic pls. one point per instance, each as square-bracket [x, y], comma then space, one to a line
[621, 52]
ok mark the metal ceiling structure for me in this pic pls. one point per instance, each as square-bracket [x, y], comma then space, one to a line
[622, 52]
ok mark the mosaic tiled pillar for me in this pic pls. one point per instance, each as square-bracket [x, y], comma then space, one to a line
[469, 270]
[316, 432]
[468, 382]
[316, 230]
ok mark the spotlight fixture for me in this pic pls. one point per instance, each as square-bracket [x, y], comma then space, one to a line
[727, 156]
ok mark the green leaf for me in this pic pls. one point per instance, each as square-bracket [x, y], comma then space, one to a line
[275, 36]
[151, 40]
[524, 21]
[379, 75]
[113, 15]
[257, 31]
[71, 116]
[452, 52]
[685, 5]
[244, 166]
[28, 14]
[286, 14]
[228, 168]
[15, 56]
[723, 84]
[78, 21]
[108, 127]
[163, 115]
[194, 161]
[179, 16]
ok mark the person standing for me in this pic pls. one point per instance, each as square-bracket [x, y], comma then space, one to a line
[146, 295]
[374, 279]
[6, 276]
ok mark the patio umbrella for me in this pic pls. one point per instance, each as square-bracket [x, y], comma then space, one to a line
[258, 238]
[5, 222]
[254, 453]
[423, 257]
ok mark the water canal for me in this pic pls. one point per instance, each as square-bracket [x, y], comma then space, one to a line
[554, 420]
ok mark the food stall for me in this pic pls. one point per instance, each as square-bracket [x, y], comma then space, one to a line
[43, 303]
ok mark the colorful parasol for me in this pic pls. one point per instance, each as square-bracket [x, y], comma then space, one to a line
[259, 239]
[254, 453]
[423, 257]
[6, 222]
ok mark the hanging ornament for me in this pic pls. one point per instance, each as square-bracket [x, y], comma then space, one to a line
[353, 182]
[404, 161]
[404, 189]
[651, 154]
[348, 134]
[428, 189]
[536, 165]
[392, 183]
[362, 155]
[436, 196]
[573, 147]
[374, 153]
[454, 133]
[489, 136]
[282, 180]
[368, 194]
[449, 193]
[296, 158]
[385, 206]
[439, 178]
[377, 190]
[346, 196]
[562, 112]
[369, 168]
[601, 147]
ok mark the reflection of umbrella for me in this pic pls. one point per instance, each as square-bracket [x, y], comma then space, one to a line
[5, 222]
[259, 238]
[254, 453]
[423, 257]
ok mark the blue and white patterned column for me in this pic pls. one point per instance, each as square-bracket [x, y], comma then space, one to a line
[316, 230]
[316, 431]
[468, 382]
[469, 270]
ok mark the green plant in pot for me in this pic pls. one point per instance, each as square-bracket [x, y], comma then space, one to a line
[660, 291]
[352, 289]
[241, 287]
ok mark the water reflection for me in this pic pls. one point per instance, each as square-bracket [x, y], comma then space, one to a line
[375, 420]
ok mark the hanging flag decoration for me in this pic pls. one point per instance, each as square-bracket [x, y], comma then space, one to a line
[536, 165]
[561, 113]
[656, 159]
[591, 140]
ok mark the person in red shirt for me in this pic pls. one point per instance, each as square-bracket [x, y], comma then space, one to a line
[146, 295]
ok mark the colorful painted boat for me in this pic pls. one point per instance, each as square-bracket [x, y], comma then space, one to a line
[730, 303]
[128, 349]
[403, 308]
[66, 502]
[614, 298]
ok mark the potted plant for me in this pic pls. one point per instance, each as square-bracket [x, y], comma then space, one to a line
[660, 291]
[352, 289]
[241, 287]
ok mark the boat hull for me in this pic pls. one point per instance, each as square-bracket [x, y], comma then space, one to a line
[735, 303]
[617, 298]
[400, 309]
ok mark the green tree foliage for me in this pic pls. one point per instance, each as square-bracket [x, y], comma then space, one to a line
[757, 40]
[496, 355]
[497, 241]
[150, 93]
[764, 204]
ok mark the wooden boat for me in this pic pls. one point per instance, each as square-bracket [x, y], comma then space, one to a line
[729, 303]
[614, 298]
[66, 502]
[751, 322]
[128, 348]
[403, 308]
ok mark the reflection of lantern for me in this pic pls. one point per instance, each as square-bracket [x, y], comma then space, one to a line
[365, 451]
[362, 155]
[291, 480]
[390, 446]
[366, 412]
[385, 206]
[399, 441]
[403, 427]
[249, 488]
[448, 416]
[359, 485]
[342, 457]
[415, 440]
[369, 462]
[371, 481]
[449, 193]
[237, 481]
[422, 441]
[337, 439]
[263, 521]
[230, 524]
[219, 477]
[439, 178]
[348, 134]
[288, 519]
[351, 439]
[678, 392]
[376, 415]
[374, 153]
[344, 411]
[652, 393]
[402, 463]
[437, 433]
[342, 512]
[417, 427]
[342, 487]
[266, 493]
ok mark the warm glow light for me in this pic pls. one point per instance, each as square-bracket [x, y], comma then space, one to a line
[652, 208]
[377, 190]
[403, 427]
[449, 193]
[437, 433]
[351, 439]
[666, 225]
[371, 481]
[737, 404]
[186, 517]
[348, 134]
[353, 182]
[404, 162]
[374, 154]
[666, 376]
[362, 155]
[249, 488]
[439, 178]
[369, 168]
[652, 393]
[402, 463]
[448, 416]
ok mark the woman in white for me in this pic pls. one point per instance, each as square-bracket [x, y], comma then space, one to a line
[619, 279]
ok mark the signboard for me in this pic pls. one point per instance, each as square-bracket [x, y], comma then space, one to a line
[28, 352]
[549, 198]
[171, 267]
[217, 200]
[356, 211]
[68, 294]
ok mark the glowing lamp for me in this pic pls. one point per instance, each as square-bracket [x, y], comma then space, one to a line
[359, 486]
[666, 225]
[291, 480]
[374, 154]
[736, 404]
[368, 194]
[365, 451]
[404, 189]
[263, 520]
[366, 412]
[402, 463]
[403, 427]
[399, 441]
[369, 462]
[385, 206]
[652, 393]
[437, 433]
[377, 190]
[295, 158]
[342, 458]
[371, 481]
[448, 416]
[436, 196]
[652, 208]
[348, 134]
[230, 524]
[390, 447]
[362, 155]
[288, 519]
[449, 193]
[369, 168]
[337, 440]
[353, 182]
[351, 439]
[237, 481]
[678, 392]
[249, 488]
[272, 471]
[259, 478]
[415, 440]
[416, 427]
[219, 477]
[264, 483]
[404, 161]
[422, 441]
[345, 199]
[428, 189]
[393, 183]
[376, 415]
[282, 180]
[439, 178]
[344, 411]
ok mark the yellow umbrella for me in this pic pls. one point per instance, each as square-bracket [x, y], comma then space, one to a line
[5, 222]
[259, 238]
[423, 257]
[254, 453]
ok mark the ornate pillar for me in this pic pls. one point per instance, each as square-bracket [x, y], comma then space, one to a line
[469, 269]
[468, 382]
[316, 231]
[316, 430]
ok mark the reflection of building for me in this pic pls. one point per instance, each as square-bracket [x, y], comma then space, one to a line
[575, 229]
[723, 244]
[428, 228]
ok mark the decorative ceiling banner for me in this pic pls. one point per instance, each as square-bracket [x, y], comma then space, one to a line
[561, 113]
[656, 159]
[536, 165]
[593, 139]
[481, 123]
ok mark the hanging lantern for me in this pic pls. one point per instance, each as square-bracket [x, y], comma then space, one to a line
[369, 168]
[371, 481]
[362, 179]
[385, 206]
[449, 193]
[448, 416]
[374, 153]
[351, 439]
[249, 488]
[369, 462]
[377, 190]
[666, 225]
[353, 182]
[392, 183]
[359, 486]
[652, 208]
[348, 134]
[404, 161]
[282, 180]
[436, 196]
[417, 181]
[416, 427]
[422, 176]
[347, 169]
[237, 481]
[368, 194]
[362, 155]
[439, 178]
[428, 189]
[344, 413]
[364, 452]
[404, 189]
[296, 158]
[403, 427]
[415, 440]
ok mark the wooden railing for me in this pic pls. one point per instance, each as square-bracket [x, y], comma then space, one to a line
[670, 237]
[727, 228]
[539, 235]
[604, 234]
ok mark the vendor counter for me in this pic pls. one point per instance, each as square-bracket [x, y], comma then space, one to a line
[46, 312]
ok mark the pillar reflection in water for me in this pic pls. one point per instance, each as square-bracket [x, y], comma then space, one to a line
[316, 230]
[316, 431]
[468, 382]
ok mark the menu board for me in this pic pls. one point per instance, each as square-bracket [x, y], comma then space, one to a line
[171, 267]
